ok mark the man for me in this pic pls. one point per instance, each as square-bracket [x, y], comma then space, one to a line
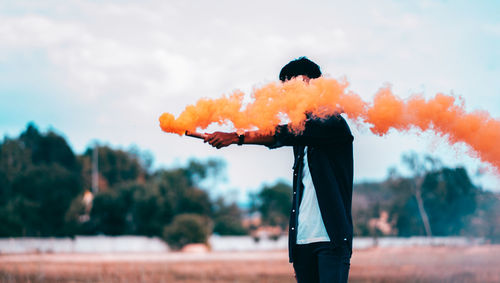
[320, 231]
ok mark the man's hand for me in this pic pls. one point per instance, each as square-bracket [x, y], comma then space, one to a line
[220, 139]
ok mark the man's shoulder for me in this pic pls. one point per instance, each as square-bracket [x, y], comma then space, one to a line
[330, 119]
[338, 124]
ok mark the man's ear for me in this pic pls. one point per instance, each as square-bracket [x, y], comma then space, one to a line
[304, 78]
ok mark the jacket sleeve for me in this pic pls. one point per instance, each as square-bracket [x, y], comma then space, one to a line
[317, 132]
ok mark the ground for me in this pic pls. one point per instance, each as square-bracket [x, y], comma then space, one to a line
[403, 264]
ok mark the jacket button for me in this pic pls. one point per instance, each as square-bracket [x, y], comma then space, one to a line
[345, 239]
[293, 210]
[294, 193]
[293, 228]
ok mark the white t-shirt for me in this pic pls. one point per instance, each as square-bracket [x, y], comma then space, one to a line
[311, 228]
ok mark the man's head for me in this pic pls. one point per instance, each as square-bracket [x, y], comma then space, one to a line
[300, 67]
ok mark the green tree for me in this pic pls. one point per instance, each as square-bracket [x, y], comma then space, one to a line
[403, 208]
[109, 213]
[447, 196]
[368, 201]
[435, 201]
[115, 165]
[194, 200]
[419, 168]
[17, 218]
[151, 211]
[450, 199]
[227, 219]
[50, 188]
[274, 203]
[198, 171]
[112, 210]
[486, 220]
[48, 148]
[14, 159]
[39, 176]
[42, 190]
[186, 229]
[176, 186]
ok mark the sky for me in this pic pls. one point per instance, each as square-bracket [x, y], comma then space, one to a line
[106, 70]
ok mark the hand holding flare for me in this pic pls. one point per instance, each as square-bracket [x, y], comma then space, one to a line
[217, 139]
[195, 135]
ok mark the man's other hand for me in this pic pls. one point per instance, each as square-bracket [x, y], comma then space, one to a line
[220, 139]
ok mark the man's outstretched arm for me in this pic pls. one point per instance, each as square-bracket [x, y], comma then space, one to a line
[317, 132]
[220, 139]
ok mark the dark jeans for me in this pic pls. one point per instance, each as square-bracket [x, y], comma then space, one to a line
[320, 262]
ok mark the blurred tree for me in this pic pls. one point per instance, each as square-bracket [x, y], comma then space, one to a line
[50, 188]
[419, 168]
[177, 186]
[194, 200]
[145, 208]
[16, 217]
[227, 218]
[14, 159]
[403, 208]
[48, 148]
[447, 196]
[368, 201]
[441, 198]
[112, 210]
[39, 176]
[145, 158]
[115, 165]
[109, 213]
[186, 229]
[151, 211]
[197, 171]
[42, 181]
[274, 204]
[486, 220]
[450, 198]
[171, 184]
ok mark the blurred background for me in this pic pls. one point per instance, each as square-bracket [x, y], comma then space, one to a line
[91, 190]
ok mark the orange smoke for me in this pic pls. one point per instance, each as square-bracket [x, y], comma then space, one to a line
[324, 96]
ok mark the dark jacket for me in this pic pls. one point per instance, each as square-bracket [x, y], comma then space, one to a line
[330, 159]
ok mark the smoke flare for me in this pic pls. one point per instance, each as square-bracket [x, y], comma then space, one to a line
[323, 96]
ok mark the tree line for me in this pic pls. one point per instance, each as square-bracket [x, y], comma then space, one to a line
[433, 201]
[45, 190]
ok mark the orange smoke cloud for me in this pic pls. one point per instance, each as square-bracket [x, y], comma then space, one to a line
[324, 96]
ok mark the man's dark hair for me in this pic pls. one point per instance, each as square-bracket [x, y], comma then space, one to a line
[300, 67]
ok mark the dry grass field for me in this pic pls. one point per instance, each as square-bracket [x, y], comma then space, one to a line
[418, 264]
